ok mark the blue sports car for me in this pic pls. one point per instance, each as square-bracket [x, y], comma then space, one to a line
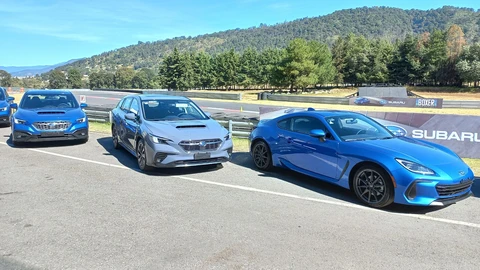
[5, 107]
[49, 115]
[354, 151]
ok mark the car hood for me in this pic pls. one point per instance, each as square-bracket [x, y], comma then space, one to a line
[408, 148]
[187, 129]
[49, 114]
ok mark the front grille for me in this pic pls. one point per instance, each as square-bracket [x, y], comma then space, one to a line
[54, 125]
[451, 190]
[201, 145]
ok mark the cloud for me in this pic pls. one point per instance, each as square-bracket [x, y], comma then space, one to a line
[280, 5]
[59, 31]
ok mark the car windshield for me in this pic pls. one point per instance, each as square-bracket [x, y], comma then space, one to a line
[167, 110]
[358, 128]
[39, 101]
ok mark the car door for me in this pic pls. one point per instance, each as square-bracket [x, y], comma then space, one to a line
[122, 125]
[309, 153]
[132, 126]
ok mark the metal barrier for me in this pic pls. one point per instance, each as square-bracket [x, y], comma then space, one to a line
[236, 129]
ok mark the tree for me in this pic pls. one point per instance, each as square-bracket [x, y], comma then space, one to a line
[74, 78]
[248, 68]
[5, 78]
[57, 79]
[468, 66]
[339, 54]
[123, 77]
[357, 62]
[455, 42]
[269, 62]
[170, 70]
[203, 69]
[226, 69]
[306, 64]
[436, 56]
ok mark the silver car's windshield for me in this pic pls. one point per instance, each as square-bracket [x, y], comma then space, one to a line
[40, 101]
[167, 110]
[357, 128]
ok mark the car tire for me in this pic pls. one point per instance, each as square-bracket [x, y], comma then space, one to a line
[115, 141]
[142, 156]
[262, 157]
[82, 141]
[373, 187]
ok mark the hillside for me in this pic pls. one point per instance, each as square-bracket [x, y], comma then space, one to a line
[375, 22]
[33, 70]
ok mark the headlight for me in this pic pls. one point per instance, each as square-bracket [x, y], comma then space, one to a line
[415, 167]
[19, 121]
[82, 120]
[2, 109]
[161, 140]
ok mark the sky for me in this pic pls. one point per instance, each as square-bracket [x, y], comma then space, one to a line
[46, 32]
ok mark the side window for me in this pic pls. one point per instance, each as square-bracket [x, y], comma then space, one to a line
[135, 107]
[126, 104]
[284, 124]
[306, 124]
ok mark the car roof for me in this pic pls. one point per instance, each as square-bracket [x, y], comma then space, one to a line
[322, 113]
[42, 92]
[160, 97]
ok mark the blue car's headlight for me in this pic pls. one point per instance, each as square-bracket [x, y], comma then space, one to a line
[82, 120]
[2, 109]
[415, 167]
[19, 121]
[160, 140]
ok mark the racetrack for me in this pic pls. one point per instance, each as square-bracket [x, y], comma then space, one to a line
[88, 207]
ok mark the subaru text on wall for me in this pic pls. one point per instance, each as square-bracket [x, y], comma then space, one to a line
[49, 115]
[166, 131]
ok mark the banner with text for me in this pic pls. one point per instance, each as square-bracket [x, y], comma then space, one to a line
[397, 102]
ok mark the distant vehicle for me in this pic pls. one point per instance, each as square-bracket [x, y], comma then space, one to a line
[370, 101]
[354, 151]
[165, 131]
[5, 107]
[51, 115]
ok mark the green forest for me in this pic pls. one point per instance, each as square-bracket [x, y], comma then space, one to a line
[349, 47]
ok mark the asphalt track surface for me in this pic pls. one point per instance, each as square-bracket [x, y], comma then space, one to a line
[86, 206]
[110, 99]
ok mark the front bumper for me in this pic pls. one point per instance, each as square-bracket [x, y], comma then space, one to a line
[435, 192]
[27, 133]
[172, 156]
[4, 117]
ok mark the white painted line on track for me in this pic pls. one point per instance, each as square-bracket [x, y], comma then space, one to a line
[281, 194]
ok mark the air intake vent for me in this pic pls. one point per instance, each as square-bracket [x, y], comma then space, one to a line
[51, 112]
[192, 126]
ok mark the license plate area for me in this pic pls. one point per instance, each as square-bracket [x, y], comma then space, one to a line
[205, 155]
[52, 133]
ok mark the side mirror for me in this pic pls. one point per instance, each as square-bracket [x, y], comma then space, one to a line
[14, 106]
[83, 105]
[318, 133]
[10, 99]
[131, 116]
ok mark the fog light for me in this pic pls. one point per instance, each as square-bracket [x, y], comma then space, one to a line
[83, 133]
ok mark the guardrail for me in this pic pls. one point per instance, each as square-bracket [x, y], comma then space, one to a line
[236, 129]
[467, 104]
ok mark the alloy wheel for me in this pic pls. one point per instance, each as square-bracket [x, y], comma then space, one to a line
[261, 156]
[370, 186]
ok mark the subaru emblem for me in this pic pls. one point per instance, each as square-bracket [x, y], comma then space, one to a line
[462, 173]
[202, 143]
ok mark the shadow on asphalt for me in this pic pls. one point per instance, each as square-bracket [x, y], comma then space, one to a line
[44, 144]
[128, 160]
[325, 188]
